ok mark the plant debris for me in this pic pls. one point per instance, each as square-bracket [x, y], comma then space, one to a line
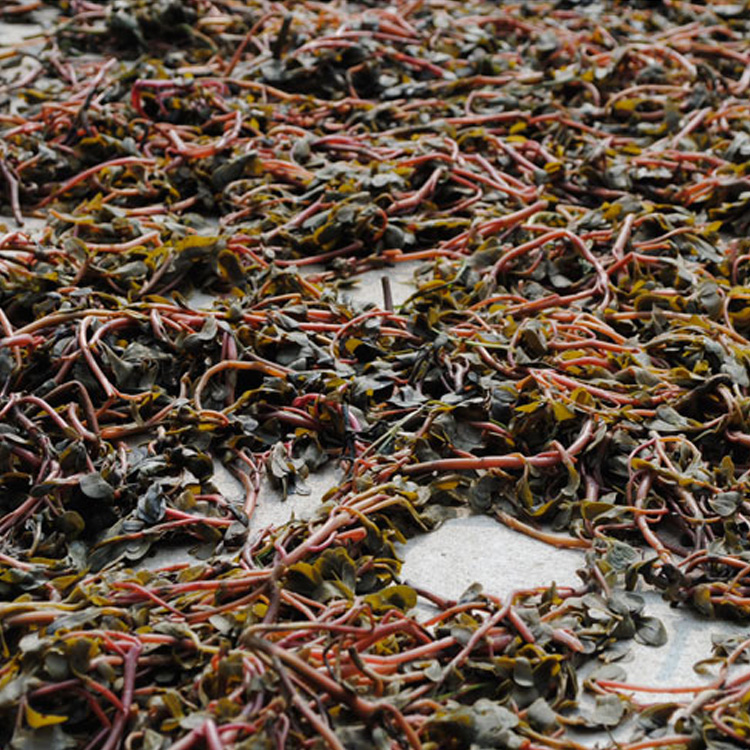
[572, 178]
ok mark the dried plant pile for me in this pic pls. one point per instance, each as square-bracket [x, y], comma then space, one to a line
[573, 177]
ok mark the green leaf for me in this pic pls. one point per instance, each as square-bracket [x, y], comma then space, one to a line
[393, 597]
[523, 674]
[44, 738]
[650, 631]
[609, 711]
[541, 716]
[725, 503]
[96, 487]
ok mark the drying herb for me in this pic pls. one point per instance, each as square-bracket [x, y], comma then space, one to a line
[574, 363]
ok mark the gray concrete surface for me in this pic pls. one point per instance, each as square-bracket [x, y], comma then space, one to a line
[14, 33]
